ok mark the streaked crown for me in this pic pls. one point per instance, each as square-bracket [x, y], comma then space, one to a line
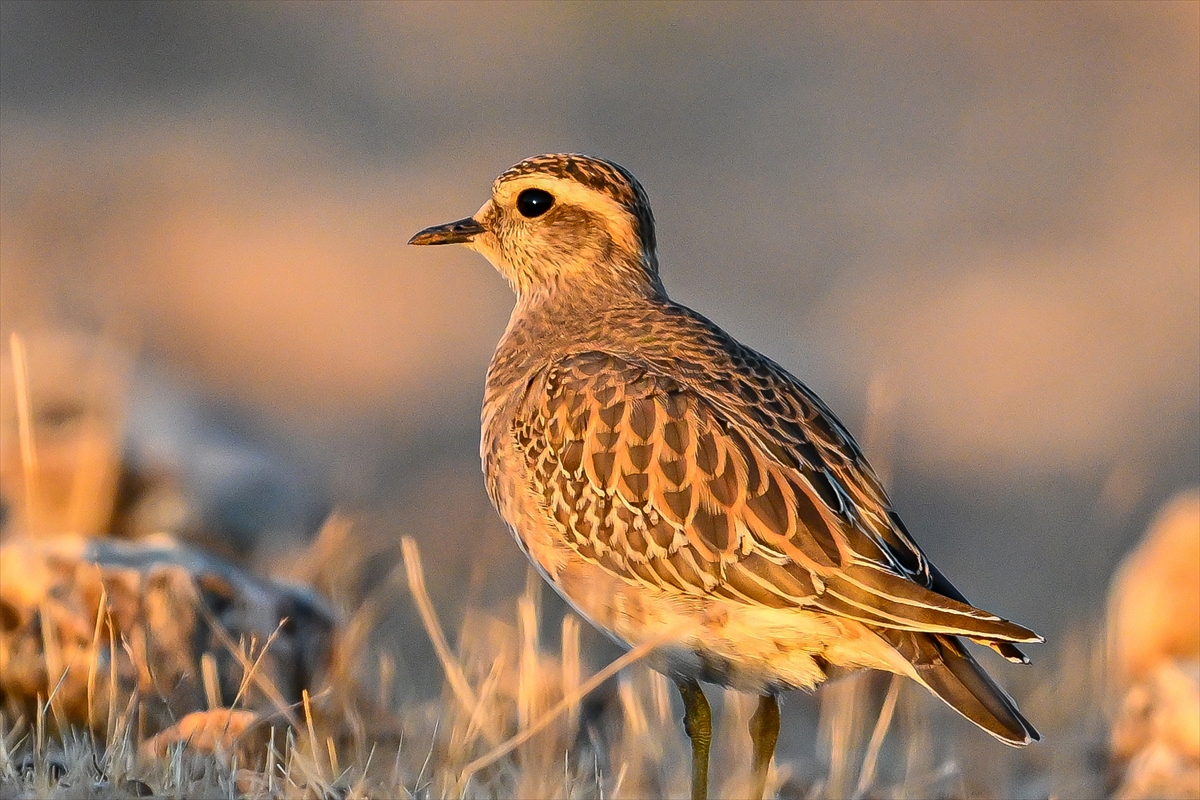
[563, 221]
[597, 174]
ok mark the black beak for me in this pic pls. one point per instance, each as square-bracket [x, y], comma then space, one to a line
[464, 230]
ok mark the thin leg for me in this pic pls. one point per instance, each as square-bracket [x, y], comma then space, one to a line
[764, 732]
[697, 722]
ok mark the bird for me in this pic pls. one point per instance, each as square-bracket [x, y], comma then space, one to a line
[675, 485]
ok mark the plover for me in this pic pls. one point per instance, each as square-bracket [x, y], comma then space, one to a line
[669, 481]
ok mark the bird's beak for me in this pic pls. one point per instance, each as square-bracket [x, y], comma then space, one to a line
[464, 230]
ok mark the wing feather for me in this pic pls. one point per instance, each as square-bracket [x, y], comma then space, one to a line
[767, 502]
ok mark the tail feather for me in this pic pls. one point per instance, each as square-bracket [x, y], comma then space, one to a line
[944, 666]
[1007, 649]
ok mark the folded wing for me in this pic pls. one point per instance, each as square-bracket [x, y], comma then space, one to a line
[754, 493]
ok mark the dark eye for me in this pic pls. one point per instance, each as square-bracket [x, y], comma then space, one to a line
[534, 202]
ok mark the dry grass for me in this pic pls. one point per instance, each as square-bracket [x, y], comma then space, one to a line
[521, 714]
[512, 721]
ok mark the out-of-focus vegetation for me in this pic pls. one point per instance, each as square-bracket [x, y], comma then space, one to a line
[972, 229]
[138, 667]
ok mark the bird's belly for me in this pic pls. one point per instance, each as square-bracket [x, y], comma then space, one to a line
[749, 648]
[745, 647]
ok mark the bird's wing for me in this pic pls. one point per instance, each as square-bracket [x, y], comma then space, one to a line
[791, 421]
[661, 485]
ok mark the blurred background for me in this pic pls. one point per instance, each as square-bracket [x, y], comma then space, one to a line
[973, 229]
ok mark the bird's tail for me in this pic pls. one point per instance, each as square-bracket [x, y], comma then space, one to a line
[944, 667]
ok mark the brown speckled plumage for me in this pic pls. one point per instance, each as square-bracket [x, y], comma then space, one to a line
[658, 472]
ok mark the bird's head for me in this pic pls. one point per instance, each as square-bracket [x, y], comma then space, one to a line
[562, 221]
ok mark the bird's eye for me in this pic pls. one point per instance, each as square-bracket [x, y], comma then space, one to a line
[534, 202]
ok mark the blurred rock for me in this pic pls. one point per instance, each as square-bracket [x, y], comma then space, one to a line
[1156, 734]
[1154, 658]
[59, 474]
[95, 620]
[105, 451]
[1154, 600]
[220, 731]
[211, 477]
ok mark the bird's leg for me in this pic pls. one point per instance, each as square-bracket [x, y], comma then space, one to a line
[764, 732]
[697, 722]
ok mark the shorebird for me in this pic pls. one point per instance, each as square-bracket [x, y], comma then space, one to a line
[665, 478]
